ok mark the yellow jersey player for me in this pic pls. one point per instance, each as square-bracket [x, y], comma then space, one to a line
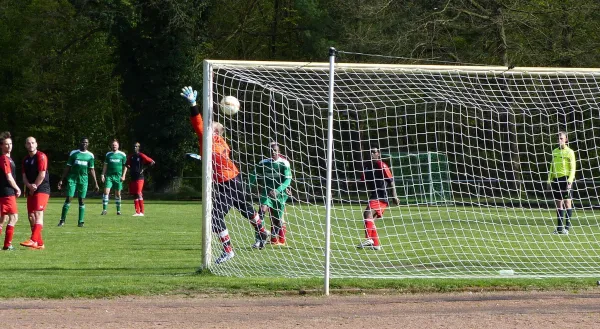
[560, 179]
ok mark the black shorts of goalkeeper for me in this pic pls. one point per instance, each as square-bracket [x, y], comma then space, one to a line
[560, 190]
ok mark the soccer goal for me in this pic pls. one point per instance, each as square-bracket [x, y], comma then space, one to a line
[469, 148]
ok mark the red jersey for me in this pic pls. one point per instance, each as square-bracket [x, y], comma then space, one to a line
[223, 167]
[135, 163]
[7, 167]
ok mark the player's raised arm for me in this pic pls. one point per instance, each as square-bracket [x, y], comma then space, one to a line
[195, 118]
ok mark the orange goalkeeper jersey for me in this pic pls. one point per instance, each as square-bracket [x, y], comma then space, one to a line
[223, 167]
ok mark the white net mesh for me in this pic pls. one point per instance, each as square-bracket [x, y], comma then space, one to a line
[469, 149]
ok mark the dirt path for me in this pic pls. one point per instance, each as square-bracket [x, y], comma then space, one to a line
[465, 310]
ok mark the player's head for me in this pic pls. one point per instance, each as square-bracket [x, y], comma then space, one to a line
[562, 139]
[31, 145]
[136, 147]
[114, 145]
[83, 144]
[6, 142]
[375, 153]
[274, 149]
[218, 129]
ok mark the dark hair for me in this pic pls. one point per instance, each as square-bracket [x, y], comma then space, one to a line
[82, 139]
[4, 135]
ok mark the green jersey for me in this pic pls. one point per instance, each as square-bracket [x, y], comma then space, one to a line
[563, 164]
[114, 163]
[80, 162]
[272, 174]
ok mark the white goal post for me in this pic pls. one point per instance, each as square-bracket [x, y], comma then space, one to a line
[469, 148]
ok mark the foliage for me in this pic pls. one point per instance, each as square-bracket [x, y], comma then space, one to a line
[113, 69]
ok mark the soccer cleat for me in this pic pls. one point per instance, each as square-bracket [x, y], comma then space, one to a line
[225, 256]
[565, 232]
[259, 244]
[28, 243]
[141, 214]
[80, 224]
[61, 223]
[368, 244]
[9, 248]
[103, 213]
[136, 214]
[118, 213]
[42, 247]
[278, 243]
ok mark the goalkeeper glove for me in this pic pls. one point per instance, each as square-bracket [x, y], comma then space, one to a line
[190, 95]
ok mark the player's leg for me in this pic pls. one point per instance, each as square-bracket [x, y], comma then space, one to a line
[569, 212]
[241, 202]
[106, 195]
[135, 190]
[374, 210]
[41, 203]
[278, 225]
[9, 209]
[118, 188]
[70, 190]
[558, 200]
[31, 207]
[265, 204]
[81, 194]
[221, 205]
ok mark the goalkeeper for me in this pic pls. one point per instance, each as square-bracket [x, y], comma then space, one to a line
[560, 179]
[378, 178]
[273, 177]
[228, 190]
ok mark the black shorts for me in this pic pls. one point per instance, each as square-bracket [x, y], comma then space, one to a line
[560, 190]
[231, 194]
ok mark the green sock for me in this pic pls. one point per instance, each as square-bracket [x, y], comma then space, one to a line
[81, 213]
[65, 210]
[118, 203]
[104, 201]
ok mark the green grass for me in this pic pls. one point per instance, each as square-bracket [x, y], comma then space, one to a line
[161, 253]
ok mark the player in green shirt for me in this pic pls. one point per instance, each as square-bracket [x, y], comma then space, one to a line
[273, 177]
[76, 172]
[113, 175]
[560, 178]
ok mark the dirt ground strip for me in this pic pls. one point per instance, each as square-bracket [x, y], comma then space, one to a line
[461, 310]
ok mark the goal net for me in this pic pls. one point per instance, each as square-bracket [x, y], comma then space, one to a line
[469, 149]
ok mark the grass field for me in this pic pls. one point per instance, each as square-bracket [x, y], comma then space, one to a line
[161, 253]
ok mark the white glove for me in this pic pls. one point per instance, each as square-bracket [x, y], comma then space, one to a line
[189, 94]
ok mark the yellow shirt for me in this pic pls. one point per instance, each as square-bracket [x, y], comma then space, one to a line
[563, 164]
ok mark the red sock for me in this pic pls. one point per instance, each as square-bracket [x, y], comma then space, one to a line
[282, 234]
[10, 231]
[141, 206]
[225, 241]
[371, 231]
[37, 234]
[136, 202]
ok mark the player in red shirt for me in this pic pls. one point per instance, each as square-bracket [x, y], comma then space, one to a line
[378, 177]
[228, 190]
[9, 191]
[36, 179]
[137, 163]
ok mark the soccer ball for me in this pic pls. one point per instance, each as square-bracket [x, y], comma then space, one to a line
[230, 105]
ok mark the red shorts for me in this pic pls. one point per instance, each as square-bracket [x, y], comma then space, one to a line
[136, 186]
[37, 202]
[379, 207]
[8, 205]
